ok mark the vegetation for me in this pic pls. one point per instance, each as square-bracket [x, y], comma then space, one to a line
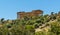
[36, 25]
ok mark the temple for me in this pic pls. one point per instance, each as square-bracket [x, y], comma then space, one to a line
[29, 14]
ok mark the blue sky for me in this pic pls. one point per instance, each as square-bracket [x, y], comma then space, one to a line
[9, 8]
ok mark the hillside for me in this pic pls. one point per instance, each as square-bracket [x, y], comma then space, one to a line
[36, 25]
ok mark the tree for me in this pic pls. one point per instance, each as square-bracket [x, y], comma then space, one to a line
[2, 20]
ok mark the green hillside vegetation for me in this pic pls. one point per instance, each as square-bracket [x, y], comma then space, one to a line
[36, 25]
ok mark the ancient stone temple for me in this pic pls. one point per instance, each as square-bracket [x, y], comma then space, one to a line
[29, 14]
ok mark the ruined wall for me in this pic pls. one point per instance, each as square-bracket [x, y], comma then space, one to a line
[29, 14]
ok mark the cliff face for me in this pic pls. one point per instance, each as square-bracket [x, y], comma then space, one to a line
[29, 14]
